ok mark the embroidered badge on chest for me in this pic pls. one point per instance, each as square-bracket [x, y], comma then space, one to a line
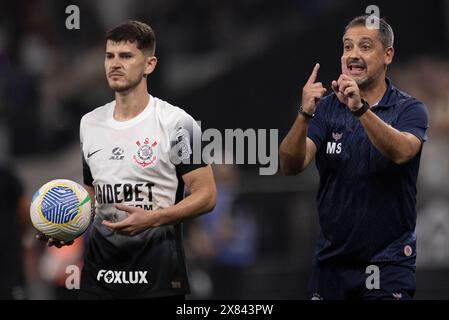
[334, 147]
[145, 155]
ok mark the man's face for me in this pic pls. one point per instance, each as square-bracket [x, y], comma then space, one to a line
[124, 64]
[364, 56]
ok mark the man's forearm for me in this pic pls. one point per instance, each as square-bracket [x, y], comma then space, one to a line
[195, 204]
[292, 151]
[392, 143]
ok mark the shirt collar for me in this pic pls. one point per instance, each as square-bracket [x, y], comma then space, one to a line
[388, 98]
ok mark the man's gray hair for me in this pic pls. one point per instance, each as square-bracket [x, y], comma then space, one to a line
[386, 35]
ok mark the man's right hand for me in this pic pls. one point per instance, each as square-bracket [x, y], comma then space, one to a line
[312, 91]
[52, 242]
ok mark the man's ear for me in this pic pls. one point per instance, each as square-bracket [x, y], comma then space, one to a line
[389, 54]
[150, 65]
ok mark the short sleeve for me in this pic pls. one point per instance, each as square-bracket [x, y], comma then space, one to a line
[87, 174]
[414, 118]
[317, 129]
[186, 145]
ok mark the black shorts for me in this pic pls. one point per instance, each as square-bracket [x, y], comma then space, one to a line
[337, 282]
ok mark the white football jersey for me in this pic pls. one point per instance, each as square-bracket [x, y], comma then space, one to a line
[139, 162]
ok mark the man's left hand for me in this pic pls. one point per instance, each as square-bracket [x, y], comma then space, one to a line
[138, 220]
[348, 92]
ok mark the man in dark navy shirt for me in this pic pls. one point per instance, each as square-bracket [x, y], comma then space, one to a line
[367, 138]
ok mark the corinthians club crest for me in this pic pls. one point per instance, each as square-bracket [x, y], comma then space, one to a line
[145, 153]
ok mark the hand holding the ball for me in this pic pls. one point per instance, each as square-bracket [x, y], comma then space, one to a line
[52, 242]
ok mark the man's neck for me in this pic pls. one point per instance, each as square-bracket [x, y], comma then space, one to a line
[131, 103]
[374, 93]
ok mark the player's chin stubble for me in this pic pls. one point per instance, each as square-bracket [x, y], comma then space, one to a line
[116, 87]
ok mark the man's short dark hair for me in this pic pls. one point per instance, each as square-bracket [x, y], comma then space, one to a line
[134, 32]
[386, 35]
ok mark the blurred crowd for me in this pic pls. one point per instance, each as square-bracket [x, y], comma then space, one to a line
[427, 78]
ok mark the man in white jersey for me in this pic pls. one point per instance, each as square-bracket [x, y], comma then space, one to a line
[138, 154]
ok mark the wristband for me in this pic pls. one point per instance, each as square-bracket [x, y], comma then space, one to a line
[364, 108]
[305, 114]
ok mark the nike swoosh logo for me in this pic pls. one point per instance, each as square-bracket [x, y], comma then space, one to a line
[90, 154]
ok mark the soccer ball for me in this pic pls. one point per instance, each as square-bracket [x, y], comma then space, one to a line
[61, 209]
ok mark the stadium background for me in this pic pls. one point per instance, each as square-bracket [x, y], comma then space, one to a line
[231, 64]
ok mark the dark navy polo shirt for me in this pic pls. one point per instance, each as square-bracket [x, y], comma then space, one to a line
[366, 202]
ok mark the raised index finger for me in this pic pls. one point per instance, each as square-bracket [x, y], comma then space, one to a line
[314, 74]
[344, 67]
